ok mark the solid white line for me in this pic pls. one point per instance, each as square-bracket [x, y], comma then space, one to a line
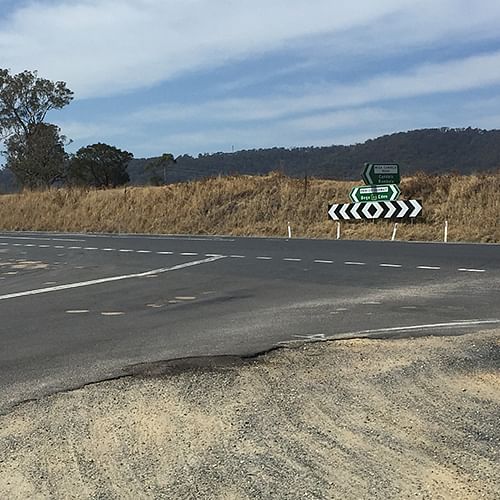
[324, 261]
[293, 260]
[108, 280]
[32, 238]
[355, 263]
[457, 324]
[431, 268]
[472, 270]
[390, 265]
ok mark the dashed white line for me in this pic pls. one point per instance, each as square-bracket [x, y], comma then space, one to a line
[56, 246]
[108, 249]
[390, 265]
[289, 259]
[213, 255]
[319, 261]
[127, 250]
[165, 253]
[429, 268]
[43, 246]
[464, 270]
[77, 311]
[237, 256]
[143, 251]
[355, 263]
[90, 248]
[74, 248]
[189, 254]
[263, 258]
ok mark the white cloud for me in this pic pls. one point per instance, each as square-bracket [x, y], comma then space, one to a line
[102, 47]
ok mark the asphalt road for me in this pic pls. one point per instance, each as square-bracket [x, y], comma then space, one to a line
[76, 309]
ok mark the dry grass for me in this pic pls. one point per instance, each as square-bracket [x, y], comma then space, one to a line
[263, 205]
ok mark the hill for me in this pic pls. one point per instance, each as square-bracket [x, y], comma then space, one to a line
[433, 151]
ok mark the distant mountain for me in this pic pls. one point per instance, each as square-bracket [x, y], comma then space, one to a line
[440, 151]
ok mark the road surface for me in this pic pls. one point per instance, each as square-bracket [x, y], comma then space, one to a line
[76, 309]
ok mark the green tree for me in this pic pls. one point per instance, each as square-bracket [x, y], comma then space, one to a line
[158, 168]
[35, 149]
[99, 165]
[26, 99]
[37, 159]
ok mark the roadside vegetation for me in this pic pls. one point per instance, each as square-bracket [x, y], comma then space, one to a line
[259, 206]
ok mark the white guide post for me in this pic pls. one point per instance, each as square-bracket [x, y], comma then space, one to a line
[394, 231]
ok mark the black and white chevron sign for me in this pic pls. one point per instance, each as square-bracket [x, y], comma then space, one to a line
[376, 210]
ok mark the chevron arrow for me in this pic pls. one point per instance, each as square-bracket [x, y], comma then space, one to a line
[376, 210]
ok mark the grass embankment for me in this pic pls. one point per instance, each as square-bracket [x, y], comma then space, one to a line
[259, 206]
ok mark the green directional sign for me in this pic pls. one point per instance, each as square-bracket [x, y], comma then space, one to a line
[381, 173]
[389, 192]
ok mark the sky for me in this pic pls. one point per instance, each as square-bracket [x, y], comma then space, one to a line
[203, 76]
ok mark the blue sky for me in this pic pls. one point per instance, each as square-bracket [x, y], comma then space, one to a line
[196, 76]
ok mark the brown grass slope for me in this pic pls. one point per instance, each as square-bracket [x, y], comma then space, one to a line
[259, 206]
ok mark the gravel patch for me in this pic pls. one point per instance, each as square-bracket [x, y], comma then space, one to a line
[377, 419]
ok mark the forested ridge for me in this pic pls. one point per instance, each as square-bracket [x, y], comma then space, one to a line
[440, 151]
[443, 150]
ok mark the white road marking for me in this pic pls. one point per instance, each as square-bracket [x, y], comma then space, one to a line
[390, 265]
[77, 311]
[355, 263]
[16, 245]
[324, 261]
[430, 268]
[90, 248]
[165, 253]
[43, 246]
[36, 238]
[3, 244]
[143, 251]
[264, 258]
[185, 298]
[29, 245]
[237, 256]
[56, 246]
[292, 260]
[472, 270]
[456, 324]
[125, 250]
[108, 280]
[108, 249]
[113, 313]
[74, 248]
[213, 255]
[189, 254]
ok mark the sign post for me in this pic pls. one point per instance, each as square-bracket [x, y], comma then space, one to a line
[381, 173]
[388, 192]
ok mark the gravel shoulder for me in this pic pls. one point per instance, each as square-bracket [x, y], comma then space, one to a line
[405, 418]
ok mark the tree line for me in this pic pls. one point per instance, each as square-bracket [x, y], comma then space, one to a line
[35, 150]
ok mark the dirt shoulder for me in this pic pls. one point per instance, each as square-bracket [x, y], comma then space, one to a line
[409, 418]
